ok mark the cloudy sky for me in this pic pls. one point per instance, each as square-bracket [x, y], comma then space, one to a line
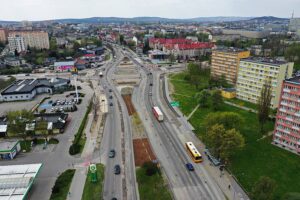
[54, 9]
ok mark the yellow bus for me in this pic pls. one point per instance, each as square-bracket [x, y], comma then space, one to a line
[193, 152]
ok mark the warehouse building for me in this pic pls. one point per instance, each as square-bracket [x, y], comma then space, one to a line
[27, 89]
[9, 149]
[17, 180]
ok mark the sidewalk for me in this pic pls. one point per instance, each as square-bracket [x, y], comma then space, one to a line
[78, 181]
[226, 182]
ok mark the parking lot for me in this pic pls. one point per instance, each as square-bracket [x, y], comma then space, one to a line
[60, 103]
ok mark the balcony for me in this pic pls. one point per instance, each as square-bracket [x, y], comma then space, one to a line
[286, 90]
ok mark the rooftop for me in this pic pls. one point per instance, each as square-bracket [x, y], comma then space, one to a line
[229, 50]
[294, 80]
[16, 180]
[263, 60]
[27, 85]
[7, 145]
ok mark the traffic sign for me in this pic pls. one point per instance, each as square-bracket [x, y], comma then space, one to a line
[175, 103]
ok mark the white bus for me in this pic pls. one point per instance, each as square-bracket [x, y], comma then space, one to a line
[158, 114]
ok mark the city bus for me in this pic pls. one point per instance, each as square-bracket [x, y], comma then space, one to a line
[193, 152]
[158, 114]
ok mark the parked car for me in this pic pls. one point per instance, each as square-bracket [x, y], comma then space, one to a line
[111, 104]
[117, 169]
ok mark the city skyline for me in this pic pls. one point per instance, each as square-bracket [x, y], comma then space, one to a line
[54, 9]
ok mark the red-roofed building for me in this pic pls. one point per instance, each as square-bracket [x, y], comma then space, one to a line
[181, 47]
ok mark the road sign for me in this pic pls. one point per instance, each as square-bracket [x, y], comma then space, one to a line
[175, 103]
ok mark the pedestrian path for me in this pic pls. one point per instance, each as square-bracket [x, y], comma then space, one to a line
[191, 114]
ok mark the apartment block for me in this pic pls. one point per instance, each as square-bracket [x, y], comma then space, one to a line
[16, 43]
[287, 128]
[253, 74]
[3, 35]
[34, 39]
[226, 62]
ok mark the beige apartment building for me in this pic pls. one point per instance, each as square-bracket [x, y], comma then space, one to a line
[226, 62]
[3, 35]
[254, 72]
[34, 39]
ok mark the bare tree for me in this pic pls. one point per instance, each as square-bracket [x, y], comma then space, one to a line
[264, 103]
[95, 106]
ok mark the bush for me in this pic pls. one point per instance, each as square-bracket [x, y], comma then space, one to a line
[150, 168]
[74, 149]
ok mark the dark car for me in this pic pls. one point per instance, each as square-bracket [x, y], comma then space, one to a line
[114, 198]
[110, 97]
[111, 104]
[151, 84]
[117, 169]
[110, 90]
[189, 166]
[112, 153]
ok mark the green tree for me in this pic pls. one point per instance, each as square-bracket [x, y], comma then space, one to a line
[194, 69]
[196, 80]
[203, 98]
[222, 142]
[17, 121]
[172, 58]
[229, 120]
[264, 102]
[263, 189]
[216, 100]
[121, 37]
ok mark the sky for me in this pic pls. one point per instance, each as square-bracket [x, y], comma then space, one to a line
[58, 9]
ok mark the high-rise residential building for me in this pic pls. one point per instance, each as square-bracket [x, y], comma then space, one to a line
[287, 128]
[225, 62]
[3, 35]
[255, 72]
[34, 39]
[294, 25]
[16, 43]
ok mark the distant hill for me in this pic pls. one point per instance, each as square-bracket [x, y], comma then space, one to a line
[268, 18]
[141, 20]
[150, 19]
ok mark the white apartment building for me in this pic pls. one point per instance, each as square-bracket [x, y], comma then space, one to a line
[16, 43]
[254, 72]
[34, 39]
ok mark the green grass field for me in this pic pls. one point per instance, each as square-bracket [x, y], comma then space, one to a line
[258, 157]
[152, 187]
[62, 185]
[93, 191]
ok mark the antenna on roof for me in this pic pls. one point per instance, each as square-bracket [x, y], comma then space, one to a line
[293, 14]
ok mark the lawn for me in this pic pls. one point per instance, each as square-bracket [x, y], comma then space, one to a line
[26, 145]
[242, 103]
[152, 187]
[93, 191]
[184, 92]
[258, 157]
[62, 185]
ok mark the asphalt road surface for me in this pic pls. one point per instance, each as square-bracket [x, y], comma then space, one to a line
[168, 144]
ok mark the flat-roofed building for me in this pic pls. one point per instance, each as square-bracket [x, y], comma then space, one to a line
[27, 89]
[17, 180]
[16, 42]
[287, 127]
[3, 35]
[34, 39]
[225, 62]
[9, 149]
[254, 72]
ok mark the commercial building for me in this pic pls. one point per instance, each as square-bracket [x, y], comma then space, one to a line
[34, 39]
[287, 128]
[16, 42]
[225, 62]
[3, 35]
[66, 66]
[17, 180]
[253, 74]
[27, 89]
[9, 149]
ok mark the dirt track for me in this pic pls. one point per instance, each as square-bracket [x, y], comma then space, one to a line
[129, 105]
[142, 151]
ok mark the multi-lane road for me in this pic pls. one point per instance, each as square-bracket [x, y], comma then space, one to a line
[168, 140]
[117, 136]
